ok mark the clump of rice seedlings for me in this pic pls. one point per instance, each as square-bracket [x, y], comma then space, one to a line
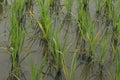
[73, 67]
[64, 67]
[108, 11]
[98, 8]
[107, 7]
[69, 73]
[67, 19]
[85, 33]
[82, 19]
[17, 36]
[85, 4]
[88, 57]
[91, 39]
[33, 71]
[29, 5]
[115, 38]
[54, 11]
[55, 7]
[100, 73]
[36, 71]
[44, 25]
[51, 46]
[82, 27]
[103, 50]
[68, 5]
[101, 60]
[104, 12]
[56, 53]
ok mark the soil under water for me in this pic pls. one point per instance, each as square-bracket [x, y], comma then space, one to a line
[83, 69]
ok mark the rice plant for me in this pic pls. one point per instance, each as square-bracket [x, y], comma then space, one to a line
[68, 5]
[55, 7]
[44, 23]
[68, 16]
[116, 29]
[82, 26]
[51, 45]
[37, 71]
[17, 36]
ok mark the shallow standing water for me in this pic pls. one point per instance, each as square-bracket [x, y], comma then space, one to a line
[35, 56]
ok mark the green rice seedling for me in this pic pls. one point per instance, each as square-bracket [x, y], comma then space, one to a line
[36, 71]
[68, 17]
[69, 75]
[64, 68]
[103, 45]
[86, 33]
[55, 51]
[115, 39]
[98, 3]
[85, 4]
[50, 46]
[117, 63]
[50, 37]
[88, 57]
[58, 53]
[55, 7]
[82, 27]
[33, 72]
[115, 27]
[91, 39]
[103, 50]
[44, 23]
[73, 67]
[68, 4]
[108, 11]
[44, 17]
[29, 5]
[67, 21]
[54, 11]
[17, 36]
[104, 11]
[82, 19]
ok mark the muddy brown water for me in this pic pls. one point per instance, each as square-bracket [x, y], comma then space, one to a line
[35, 56]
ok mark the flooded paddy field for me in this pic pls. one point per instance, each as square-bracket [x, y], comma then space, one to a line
[59, 40]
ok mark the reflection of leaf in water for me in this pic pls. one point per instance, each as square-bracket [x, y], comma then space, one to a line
[1, 9]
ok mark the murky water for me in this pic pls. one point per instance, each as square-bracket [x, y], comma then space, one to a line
[34, 52]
